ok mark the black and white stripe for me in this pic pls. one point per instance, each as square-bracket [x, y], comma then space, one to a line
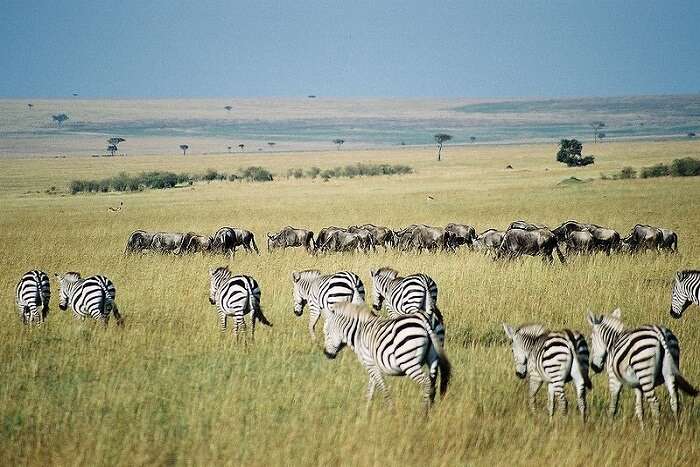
[92, 297]
[395, 347]
[553, 357]
[686, 290]
[32, 296]
[322, 291]
[640, 358]
[235, 296]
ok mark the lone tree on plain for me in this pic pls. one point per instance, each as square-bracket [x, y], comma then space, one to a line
[30, 105]
[60, 118]
[338, 142]
[440, 139]
[184, 149]
[597, 126]
[229, 149]
[472, 138]
[241, 147]
[228, 107]
[570, 153]
[271, 143]
[113, 143]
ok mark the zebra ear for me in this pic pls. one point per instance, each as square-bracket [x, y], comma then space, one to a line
[679, 276]
[211, 271]
[295, 276]
[509, 331]
[617, 313]
[372, 272]
[57, 275]
[592, 319]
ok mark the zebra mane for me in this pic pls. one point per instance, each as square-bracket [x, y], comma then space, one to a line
[613, 323]
[71, 277]
[353, 311]
[531, 330]
[687, 272]
[309, 274]
[387, 271]
[223, 271]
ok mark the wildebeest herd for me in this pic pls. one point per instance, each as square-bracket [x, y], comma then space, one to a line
[412, 336]
[518, 239]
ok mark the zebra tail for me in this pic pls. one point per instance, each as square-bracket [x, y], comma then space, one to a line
[261, 317]
[579, 347]
[443, 362]
[670, 359]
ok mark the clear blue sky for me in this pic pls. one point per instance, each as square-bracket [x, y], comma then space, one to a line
[171, 48]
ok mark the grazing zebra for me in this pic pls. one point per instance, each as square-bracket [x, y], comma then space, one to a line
[395, 346]
[409, 294]
[553, 357]
[32, 296]
[235, 296]
[686, 290]
[321, 291]
[90, 297]
[641, 358]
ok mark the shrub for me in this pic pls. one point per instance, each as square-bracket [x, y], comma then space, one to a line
[569, 153]
[627, 173]
[658, 170]
[256, 174]
[686, 167]
[313, 172]
[296, 173]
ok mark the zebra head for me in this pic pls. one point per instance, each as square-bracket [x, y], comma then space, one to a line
[67, 283]
[520, 339]
[302, 288]
[605, 331]
[217, 278]
[680, 299]
[333, 332]
[380, 281]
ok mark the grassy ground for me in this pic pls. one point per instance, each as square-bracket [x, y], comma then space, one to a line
[168, 388]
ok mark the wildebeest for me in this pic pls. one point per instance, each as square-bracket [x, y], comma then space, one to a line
[383, 236]
[604, 239]
[517, 242]
[290, 237]
[227, 239]
[326, 232]
[461, 234]
[524, 225]
[194, 243]
[580, 242]
[424, 237]
[367, 241]
[138, 241]
[670, 242]
[343, 241]
[489, 240]
[167, 242]
[643, 238]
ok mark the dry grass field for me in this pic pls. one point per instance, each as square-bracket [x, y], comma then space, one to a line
[168, 388]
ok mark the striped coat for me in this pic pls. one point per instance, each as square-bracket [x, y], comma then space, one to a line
[32, 296]
[686, 291]
[235, 296]
[92, 297]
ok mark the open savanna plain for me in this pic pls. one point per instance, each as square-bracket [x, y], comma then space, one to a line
[169, 388]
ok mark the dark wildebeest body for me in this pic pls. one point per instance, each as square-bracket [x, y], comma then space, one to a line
[138, 241]
[524, 225]
[670, 242]
[325, 233]
[342, 241]
[461, 234]
[367, 241]
[289, 237]
[227, 239]
[580, 242]
[383, 236]
[194, 243]
[643, 238]
[489, 240]
[167, 242]
[517, 242]
[604, 239]
[425, 237]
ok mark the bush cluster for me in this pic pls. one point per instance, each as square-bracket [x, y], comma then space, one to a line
[686, 167]
[350, 171]
[162, 180]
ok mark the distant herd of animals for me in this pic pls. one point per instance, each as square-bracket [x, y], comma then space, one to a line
[520, 238]
[412, 336]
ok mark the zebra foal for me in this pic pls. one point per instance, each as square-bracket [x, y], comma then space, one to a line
[552, 357]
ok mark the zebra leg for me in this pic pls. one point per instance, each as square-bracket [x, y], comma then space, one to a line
[313, 319]
[581, 398]
[562, 399]
[252, 326]
[551, 390]
[535, 385]
[117, 315]
[670, 381]
[222, 322]
[615, 387]
[639, 405]
[370, 390]
[418, 375]
[376, 375]
[653, 403]
[239, 326]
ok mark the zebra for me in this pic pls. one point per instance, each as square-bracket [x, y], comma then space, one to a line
[641, 358]
[235, 296]
[686, 290]
[32, 296]
[394, 346]
[90, 297]
[321, 291]
[553, 357]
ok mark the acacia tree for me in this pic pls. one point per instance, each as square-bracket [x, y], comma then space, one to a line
[569, 153]
[113, 143]
[60, 118]
[271, 143]
[184, 149]
[338, 142]
[440, 139]
[228, 107]
[229, 149]
[241, 147]
[472, 138]
[597, 126]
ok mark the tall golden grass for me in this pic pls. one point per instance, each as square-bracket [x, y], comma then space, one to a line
[170, 389]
